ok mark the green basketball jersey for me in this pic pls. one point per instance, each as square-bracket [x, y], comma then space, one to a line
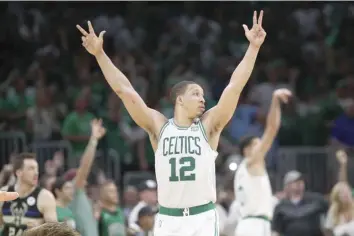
[64, 214]
[112, 223]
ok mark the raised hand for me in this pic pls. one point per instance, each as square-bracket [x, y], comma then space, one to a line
[90, 41]
[256, 34]
[97, 130]
[342, 157]
[282, 94]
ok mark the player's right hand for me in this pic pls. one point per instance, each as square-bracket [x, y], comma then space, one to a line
[90, 41]
[282, 94]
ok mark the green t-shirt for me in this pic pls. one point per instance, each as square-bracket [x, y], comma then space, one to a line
[78, 125]
[112, 223]
[64, 214]
[83, 213]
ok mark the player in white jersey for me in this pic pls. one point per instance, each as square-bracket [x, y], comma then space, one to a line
[185, 146]
[252, 186]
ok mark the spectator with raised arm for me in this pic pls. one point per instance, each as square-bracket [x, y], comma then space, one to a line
[81, 206]
[340, 217]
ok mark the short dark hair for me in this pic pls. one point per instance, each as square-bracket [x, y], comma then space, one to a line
[179, 89]
[19, 160]
[58, 185]
[245, 142]
[51, 229]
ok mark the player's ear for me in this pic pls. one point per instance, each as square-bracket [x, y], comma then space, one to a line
[179, 100]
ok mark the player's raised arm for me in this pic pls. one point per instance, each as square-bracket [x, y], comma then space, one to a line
[220, 115]
[272, 126]
[141, 114]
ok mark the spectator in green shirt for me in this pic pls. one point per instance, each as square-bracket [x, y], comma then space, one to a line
[64, 192]
[81, 206]
[76, 129]
[111, 220]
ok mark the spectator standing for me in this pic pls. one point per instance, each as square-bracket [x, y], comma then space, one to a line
[81, 206]
[111, 222]
[300, 213]
[76, 129]
[64, 192]
[145, 222]
[148, 197]
[343, 128]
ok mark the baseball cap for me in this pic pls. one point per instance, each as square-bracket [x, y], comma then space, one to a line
[146, 211]
[147, 185]
[292, 176]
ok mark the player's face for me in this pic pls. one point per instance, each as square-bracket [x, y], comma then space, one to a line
[193, 100]
[67, 191]
[111, 193]
[29, 172]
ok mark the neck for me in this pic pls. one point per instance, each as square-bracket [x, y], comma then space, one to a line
[23, 189]
[181, 119]
[61, 203]
[109, 206]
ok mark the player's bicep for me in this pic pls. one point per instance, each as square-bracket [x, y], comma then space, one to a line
[221, 114]
[47, 206]
[143, 116]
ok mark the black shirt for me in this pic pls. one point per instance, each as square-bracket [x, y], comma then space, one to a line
[303, 218]
[18, 212]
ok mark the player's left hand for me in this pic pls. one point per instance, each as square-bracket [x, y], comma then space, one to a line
[256, 34]
[8, 196]
[97, 129]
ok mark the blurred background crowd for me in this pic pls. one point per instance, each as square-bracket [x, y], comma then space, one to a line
[51, 89]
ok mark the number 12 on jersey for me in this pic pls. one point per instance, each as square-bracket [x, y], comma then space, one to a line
[185, 173]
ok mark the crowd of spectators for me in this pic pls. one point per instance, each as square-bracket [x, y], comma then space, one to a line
[51, 89]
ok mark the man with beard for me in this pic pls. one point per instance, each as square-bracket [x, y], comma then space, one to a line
[112, 218]
[34, 206]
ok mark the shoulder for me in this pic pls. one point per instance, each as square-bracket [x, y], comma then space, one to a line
[45, 198]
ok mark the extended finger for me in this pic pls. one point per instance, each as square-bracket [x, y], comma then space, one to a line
[101, 34]
[254, 17]
[91, 30]
[81, 30]
[245, 28]
[260, 18]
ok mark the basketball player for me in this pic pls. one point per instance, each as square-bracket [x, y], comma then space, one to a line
[252, 186]
[34, 206]
[185, 146]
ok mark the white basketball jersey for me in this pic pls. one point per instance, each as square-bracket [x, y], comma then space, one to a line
[185, 166]
[254, 193]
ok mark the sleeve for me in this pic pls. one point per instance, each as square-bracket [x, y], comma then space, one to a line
[277, 222]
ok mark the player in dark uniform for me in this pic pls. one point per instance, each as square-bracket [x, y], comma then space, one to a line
[34, 206]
